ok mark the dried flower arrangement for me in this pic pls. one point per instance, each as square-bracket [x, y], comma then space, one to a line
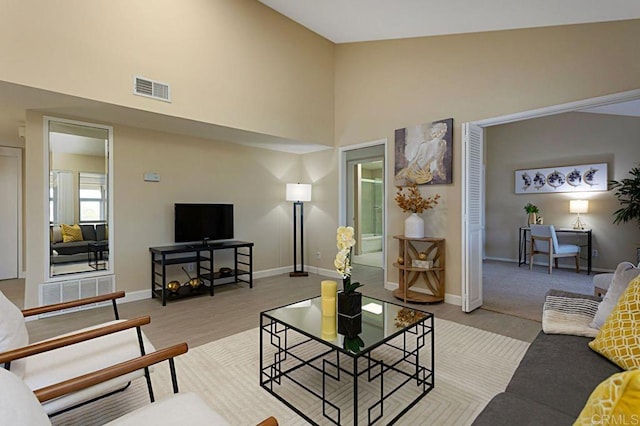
[413, 201]
[406, 317]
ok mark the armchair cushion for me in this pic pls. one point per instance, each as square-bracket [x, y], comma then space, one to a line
[164, 413]
[18, 405]
[81, 358]
[625, 272]
[13, 332]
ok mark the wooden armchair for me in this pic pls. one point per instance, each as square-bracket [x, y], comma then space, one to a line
[74, 354]
[21, 406]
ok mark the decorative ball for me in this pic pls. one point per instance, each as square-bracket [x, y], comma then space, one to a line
[422, 255]
[173, 286]
[400, 260]
[195, 282]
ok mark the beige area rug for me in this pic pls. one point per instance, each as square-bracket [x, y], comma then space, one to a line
[472, 366]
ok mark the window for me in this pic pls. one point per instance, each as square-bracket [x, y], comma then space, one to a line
[93, 197]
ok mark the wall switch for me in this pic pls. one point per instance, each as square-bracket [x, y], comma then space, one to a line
[594, 253]
[318, 255]
[151, 177]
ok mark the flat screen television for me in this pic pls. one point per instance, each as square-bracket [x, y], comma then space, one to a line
[202, 222]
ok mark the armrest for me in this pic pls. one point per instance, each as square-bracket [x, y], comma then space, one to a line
[87, 380]
[49, 345]
[270, 421]
[74, 303]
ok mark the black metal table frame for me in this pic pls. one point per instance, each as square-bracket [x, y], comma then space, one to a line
[97, 250]
[522, 243]
[272, 373]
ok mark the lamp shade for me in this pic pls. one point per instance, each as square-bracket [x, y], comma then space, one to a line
[578, 206]
[298, 192]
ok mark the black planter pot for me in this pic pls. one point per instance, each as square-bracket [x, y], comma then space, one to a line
[349, 305]
[350, 327]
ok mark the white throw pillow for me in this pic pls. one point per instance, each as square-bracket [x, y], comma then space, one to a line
[624, 274]
[13, 332]
[19, 405]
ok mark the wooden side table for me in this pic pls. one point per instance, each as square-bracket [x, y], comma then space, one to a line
[425, 249]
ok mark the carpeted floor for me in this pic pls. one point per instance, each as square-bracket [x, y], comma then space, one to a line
[517, 291]
[472, 366]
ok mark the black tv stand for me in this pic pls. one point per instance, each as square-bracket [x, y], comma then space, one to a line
[204, 258]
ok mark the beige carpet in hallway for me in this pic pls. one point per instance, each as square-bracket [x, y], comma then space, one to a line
[517, 291]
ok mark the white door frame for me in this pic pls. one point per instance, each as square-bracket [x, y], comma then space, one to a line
[17, 153]
[527, 115]
[342, 182]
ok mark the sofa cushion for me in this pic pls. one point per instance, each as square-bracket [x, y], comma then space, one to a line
[619, 337]
[560, 371]
[624, 273]
[88, 232]
[13, 332]
[71, 233]
[618, 398]
[508, 409]
[56, 234]
[101, 232]
[74, 247]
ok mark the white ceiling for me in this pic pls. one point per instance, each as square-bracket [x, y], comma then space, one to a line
[343, 21]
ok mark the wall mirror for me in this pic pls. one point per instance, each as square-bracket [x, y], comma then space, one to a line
[79, 208]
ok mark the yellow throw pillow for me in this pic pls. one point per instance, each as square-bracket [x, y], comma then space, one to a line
[617, 399]
[619, 336]
[71, 233]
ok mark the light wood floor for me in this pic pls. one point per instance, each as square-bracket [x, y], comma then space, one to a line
[236, 308]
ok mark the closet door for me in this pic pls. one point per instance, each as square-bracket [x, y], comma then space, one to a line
[10, 171]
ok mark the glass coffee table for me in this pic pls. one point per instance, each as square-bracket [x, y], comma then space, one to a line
[333, 369]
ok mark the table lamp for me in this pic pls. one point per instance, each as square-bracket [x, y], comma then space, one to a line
[298, 193]
[578, 206]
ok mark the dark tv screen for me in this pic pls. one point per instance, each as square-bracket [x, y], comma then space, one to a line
[200, 222]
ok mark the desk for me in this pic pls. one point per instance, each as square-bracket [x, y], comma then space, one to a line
[522, 243]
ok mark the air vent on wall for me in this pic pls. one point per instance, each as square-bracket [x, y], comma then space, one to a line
[151, 89]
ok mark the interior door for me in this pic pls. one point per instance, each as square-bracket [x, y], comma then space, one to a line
[472, 217]
[9, 223]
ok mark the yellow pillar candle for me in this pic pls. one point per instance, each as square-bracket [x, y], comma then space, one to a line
[328, 291]
[329, 331]
[328, 288]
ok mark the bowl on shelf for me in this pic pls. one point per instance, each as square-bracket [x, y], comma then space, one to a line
[225, 272]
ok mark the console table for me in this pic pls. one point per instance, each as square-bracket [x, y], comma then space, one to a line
[426, 249]
[203, 255]
[523, 246]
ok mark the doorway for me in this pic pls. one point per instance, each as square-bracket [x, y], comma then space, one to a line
[473, 190]
[362, 192]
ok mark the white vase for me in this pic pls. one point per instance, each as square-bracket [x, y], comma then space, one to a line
[414, 226]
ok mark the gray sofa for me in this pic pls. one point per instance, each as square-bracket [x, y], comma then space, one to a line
[76, 251]
[551, 385]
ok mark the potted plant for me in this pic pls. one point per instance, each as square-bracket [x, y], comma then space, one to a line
[349, 300]
[415, 203]
[532, 210]
[628, 194]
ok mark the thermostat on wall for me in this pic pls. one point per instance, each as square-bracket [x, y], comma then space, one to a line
[151, 177]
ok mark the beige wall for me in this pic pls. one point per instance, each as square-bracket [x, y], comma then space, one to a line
[560, 140]
[235, 63]
[257, 71]
[191, 170]
[382, 86]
